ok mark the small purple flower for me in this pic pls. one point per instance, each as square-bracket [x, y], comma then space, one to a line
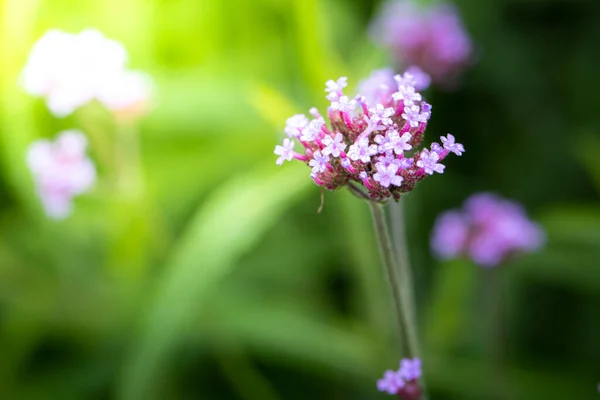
[295, 124]
[61, 171]
[391, 382]
[335, 88]
[429, 162]
[436, 147]
[450, 145]
[403, 382]
[396, 143]
[285, 152]
[334, 146]
[386, 175]
[362, 150]
[378, 87]
[414, 116]
[410, 369]
[343, 104]
[450, 235]
[313, 130]
[388, 159]
[381, 114]
[319, 162]
[406, 93]
[420, 79]
[406, 163]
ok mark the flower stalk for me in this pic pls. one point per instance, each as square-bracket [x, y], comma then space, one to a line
[400, 285]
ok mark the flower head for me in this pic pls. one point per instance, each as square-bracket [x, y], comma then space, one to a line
[489, 230]
[403, 382]
[377, 139]
[61, 171]
[391, 382]
[431, 38]
[410, 369]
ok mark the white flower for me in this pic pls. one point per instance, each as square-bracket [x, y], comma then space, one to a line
[285, 152]
[126, 92]
[381, 114]
[335, 88]
[343, 104]
[69, 69]
[361, 150]
[334, 145]
[319, 162]
[295, 124]
[313, 130]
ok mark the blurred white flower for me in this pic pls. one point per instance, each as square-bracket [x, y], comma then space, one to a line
[127, 93]
[61, 170]
[70, 70]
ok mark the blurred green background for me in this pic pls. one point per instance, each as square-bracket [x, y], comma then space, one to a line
[219, 280]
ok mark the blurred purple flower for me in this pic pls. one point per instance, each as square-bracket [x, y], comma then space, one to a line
[378, 87]
[432, 38]
[403, 382]
[61, 170]
[410, 369]
[391, 382]
[488, 230]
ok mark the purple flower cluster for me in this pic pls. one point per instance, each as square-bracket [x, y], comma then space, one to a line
[61, 170]
[432, 38]
[367, 140]
[488, 230]
[404, 381]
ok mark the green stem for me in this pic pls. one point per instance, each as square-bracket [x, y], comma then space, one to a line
[493, 308]
[400, 287]
[129, 164]
[405, 274]
[399, 240]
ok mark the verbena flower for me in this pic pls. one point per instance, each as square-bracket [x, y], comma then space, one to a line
[489, 230]
[404, 381]
[432, 38]
[61, 171]
[69, 70]
[372, 144]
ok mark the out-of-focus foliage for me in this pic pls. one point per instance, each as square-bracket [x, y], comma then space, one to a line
[218, 279]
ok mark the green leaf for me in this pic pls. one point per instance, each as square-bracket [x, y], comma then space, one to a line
[230, 223]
